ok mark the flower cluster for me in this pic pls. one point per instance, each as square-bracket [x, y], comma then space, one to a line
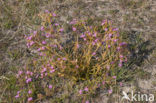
[93, 54]
[24, 78]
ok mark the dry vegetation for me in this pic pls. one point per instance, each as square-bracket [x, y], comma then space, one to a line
[136, 20]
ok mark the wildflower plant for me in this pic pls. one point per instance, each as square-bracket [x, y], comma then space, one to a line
[90, 59]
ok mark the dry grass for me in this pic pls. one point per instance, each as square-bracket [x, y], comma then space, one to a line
[18, 17]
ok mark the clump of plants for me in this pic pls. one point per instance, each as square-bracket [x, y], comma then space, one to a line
[75, 67]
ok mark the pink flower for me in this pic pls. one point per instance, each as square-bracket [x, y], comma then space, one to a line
[110, 35]
[26, 77]
[28, 80]
[120, 64]
[74, 29]
[115, 40]
[106, 29]
[121, 61]
[110, 91]
[43, 42]
[115, 29]
[77, 45]
[28, 45]
[112, 62]
[50, 86]
[31, 73]
[93, 53]
[60, 48]
[48, 35]
[55, 45]
[108, 67]
[82, 36]
[51, 71]
[20, 72]
[89, 33]
[103, 82]
[103, 22]
[121, 56]
[96, 40]
[31, 43]
[30, 99]
[29, 92]
[109, 46]
[48, 64]
[56, 24]
[44, 69]
[77, 66]
[18, 92]
[61, 29]
[54, 14]
[118, 48]
[36, 76]
[58, 59]
[99, 85]
[86, 89]
[42, 28]
[41, 75]
[123, 43]
[125, 59]
[35, 32]
[28, 72]
[73, 21]
[87, 101]
[29, 38]
[38, 49]
[64, 59]
[114, 77]
[93, 43]
[94, 35]
[41, 54]
[46, 11]
[121, 84]
[80, 91]
[43, 48]
[17, 96]
[51, 67]
[84, 39]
